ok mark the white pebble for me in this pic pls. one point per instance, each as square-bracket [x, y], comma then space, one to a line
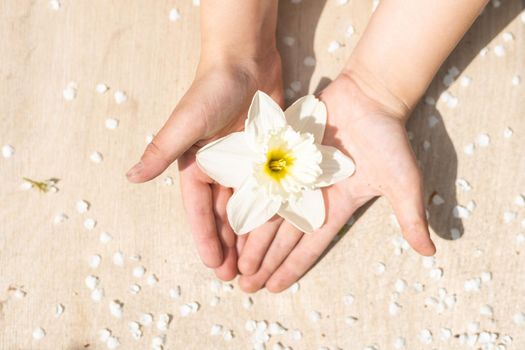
[508, 36]
[519, 318]
[469, 149]
[309, 61]
[82, 206]
[111, 123]
[472, 285]
[152, 280]
[163, 322]
[463, 185]
[519, 200]
[215, 300]
[400, 285]
[275, 328]
[105, 237]
[483, 52]
[350, 30]
[288, 40]
[509, 216]
[174, 15]
[333, 46]
[90, 224]
[394, 308]
[118, 258]
[436, 273]
[341, 2]
[8, 151]
[314, 316]
[445, 334]
[483, 140]
[168, 181]
[460, 212]
[146, 319]
[60, 218]
[486, 310]
[185, 310]
[91, 282]
[59, 310]
[437, 200]
[425, 336]
[294, 288]
[216, 329]
[520, 238]
[465, 81]
[486, 276]
[499, 50]
[380, 268]
[134, 289]
[174, 293]
[39, 333]
[112, 342]
[516, 80]
[101, 88]
[228, 335]
[104, 334]
[94, 261]
[250, 326]
[399, 343]
[432, 121]
[296, 334]
[54, 5]
[507, 133]
[97, 294]
[138, 271]
[348, 299]
[96, 157]
[19, 293]
[115, 308]
[70, 92]
[120, 96]
[247, 302]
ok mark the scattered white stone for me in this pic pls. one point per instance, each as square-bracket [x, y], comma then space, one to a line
[111, 123]
[96, 157]
[519, 318]
[483, 52]
[348, 299]
[120, 96]
[105, 237]
[70, 92]
[90, 224]
[8, 151]
[216, 329]
[451, 100]
[295, 334]
[101, 88]
[516, 80]
[189, 308]
[215, 300]
[341, 2]
[418, 287]
[135, 329]
[19, 293]
[486, 276]
[39, 333]
[104, 334]
[138, 271]
[394, 308]
[314, 316]
[429, 100]
[460, 212]
[54, 5]
[469, 149]
[333, 46]
[445, 334]
[472, 285]
[163, 322]
[152, 280]
[499, 50]
[149, 138]
[174, 15]
[228, 335]
[97, 294]
[508, 37]
[486, 310]
[428, 261]
[509, 216]
[275, 328]
[288, 40]
[309, 61]
[196, 3]
[507, 133]
[135, 289]
[425, 336]
[350, 31]
[519, 200]
[471, 205]
[520, 238]
[380, 268]
[247, 302]
[399, 343]
[400, 285]
[118, 258]
[463, 185]
[465, 81]
[294, 288]
[436, 273]
[112, 342]
[116, 308]
[91, 281]
[483, 140]
[94, 261]
[82, 206]
[168, 181]
[250, 326]
[437, 200]
[59, 310]
[433, 121]
[60, 218]
[146, 319]
[175, 293]
[426, 145]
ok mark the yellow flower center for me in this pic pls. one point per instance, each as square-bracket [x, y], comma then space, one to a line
[278, 163]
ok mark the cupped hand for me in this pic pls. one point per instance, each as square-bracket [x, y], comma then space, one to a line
[215, 105]
[376, 139]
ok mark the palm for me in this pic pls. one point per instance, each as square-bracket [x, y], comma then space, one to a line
[385, 165]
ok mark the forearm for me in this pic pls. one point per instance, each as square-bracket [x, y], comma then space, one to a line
[405, 43]
[232, 28]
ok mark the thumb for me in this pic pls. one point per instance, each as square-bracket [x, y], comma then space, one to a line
[408, 204]
[181, 131]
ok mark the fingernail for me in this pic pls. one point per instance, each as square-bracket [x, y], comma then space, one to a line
[135, 170]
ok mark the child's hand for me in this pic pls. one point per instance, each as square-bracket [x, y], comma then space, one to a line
[215, 105]
[375, 138]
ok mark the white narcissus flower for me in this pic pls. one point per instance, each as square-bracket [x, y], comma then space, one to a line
[277, 165]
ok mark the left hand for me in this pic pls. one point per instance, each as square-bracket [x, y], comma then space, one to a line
[376, 140]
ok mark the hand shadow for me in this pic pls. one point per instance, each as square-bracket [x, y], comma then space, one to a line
[439, 161]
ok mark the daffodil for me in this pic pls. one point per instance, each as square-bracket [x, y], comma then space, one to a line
[277, 165]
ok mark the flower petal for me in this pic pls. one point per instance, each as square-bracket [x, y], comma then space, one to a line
[307, 213]
[228, 160]
[307, 114]
[264, 115]
[250, 207]
[335, 166]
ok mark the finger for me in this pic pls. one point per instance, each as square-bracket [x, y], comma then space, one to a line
[406, 197]
[257, 244]
[184, 128]
[241, 241]
[311, 246]
[197, 199]
[228, 269]
[283, 243]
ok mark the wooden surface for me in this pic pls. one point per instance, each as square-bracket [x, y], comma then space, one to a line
[132, 46]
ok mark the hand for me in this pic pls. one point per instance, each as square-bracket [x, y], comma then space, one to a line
[215, 105]
[376, 139]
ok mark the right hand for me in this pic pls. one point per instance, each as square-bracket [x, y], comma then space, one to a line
[215, 105]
